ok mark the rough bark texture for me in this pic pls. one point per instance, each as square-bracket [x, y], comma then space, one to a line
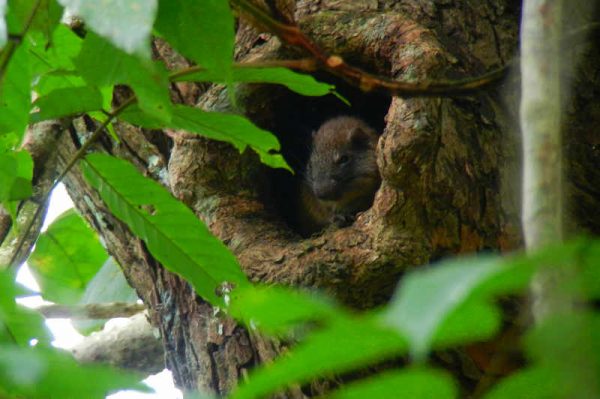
[448, 168]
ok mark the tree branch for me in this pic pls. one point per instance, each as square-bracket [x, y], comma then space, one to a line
[367, 82]
[91, 311]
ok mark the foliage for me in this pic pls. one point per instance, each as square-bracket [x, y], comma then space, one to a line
[435, 308]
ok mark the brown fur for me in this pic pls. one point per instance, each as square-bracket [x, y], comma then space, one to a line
[341, 175]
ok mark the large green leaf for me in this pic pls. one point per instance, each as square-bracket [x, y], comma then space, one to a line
[46, 17]
[343, 346]
[108, 285]
[200, 30]
[172, 232]
[449, 302]
[67, 101]
[18, 324]
[261, 307]
[15, 93]
[16, 171]
[300, 83]
[66, 257]
[233, 129]
[126, 23]
[50, 373]
[532, 383]
[570, 344]
[413, 383]
[101, 64]
[53, 65]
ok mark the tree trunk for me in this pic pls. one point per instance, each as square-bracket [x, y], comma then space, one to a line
[449, 168]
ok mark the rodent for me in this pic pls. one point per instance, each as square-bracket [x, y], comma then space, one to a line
[341, 176]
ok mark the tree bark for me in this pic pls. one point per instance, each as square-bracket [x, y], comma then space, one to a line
[449, 170]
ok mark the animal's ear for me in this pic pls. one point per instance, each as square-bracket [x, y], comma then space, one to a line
[313, 134]
[358, 137]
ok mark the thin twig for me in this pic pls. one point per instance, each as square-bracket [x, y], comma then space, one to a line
[14, 41]
[78, 155]
[91, 310]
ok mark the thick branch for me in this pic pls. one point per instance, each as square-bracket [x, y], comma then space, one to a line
[91, 311]
[133, 344]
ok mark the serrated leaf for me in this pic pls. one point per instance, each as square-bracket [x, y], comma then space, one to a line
[15, 93]
[427, 298]
[50, 373]
[66, 257]
[261, 307]
[108, 285]
[126, 23]
[18, 324]
[345, 345]
[101, 64]
[200, 30]
[415, 383]
[230, 128]
[67, 101]
[173, 234]
[300, 83]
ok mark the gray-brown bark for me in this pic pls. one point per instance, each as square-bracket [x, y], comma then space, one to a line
[447, 167]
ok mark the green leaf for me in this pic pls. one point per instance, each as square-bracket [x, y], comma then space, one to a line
[50, 373]
[16, 172]
[412, 383]
[448, 303]
[565, 351]
[300, 83]
[66, 257]
[59, 54]
[230, 128]
[108, 285]
[261, 307]
[102, 64]
[46, 18]
[15, 93]
[67, 101]
[200, 30]
[533, 383]
[570, 343]
[53, 64]
[173, 234]
[18, 324]
[582, 271]
[126, 23]
[346, 345]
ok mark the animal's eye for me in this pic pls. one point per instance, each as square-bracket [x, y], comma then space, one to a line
[343, 159]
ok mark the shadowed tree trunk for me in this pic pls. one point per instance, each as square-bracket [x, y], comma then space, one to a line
[449, 168]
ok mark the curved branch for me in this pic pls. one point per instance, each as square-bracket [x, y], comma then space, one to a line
[367, 82]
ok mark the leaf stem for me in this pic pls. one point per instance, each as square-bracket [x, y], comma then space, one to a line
[15, 40]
